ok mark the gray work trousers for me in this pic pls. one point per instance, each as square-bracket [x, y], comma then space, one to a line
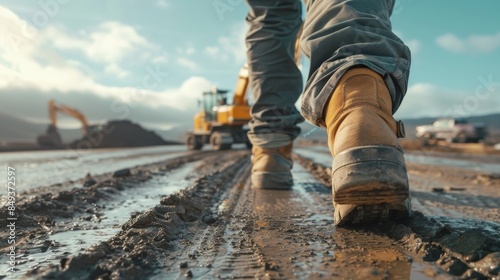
[337, 35]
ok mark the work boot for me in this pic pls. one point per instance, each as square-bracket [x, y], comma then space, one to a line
[369, 178]
[271, 167]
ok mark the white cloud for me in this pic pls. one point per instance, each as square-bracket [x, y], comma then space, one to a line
[14, 40]
[49, 79]
[115, 70]
[169, 108]
[162, 4]
[230, 47]
[191, 65]
[414, 44]
[192, 88]
[33, 54]
[425, 100]
[212, 51]
[106, 102]
[188, 50]
[110, 42]
[145, 55]
[474, 44]
[160, 59]
[31, 66]
[450, 42]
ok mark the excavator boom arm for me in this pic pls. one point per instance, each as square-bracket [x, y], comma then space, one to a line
[54, 108]
[241, 87]
[52, 113]
[74, 113]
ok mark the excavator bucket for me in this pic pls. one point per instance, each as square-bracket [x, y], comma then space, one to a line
[51, 138]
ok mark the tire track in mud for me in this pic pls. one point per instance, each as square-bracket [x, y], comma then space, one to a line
[282, 235]
[79, 214]
[225, 248]
[136, 251]
[275, 234]
[299, 241]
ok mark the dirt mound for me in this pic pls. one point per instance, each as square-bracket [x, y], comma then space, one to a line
[119, 133]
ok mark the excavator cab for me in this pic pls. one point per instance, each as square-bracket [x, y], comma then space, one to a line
[220, 123]
[211, 100]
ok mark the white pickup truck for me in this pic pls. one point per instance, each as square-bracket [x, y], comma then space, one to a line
[453, 130]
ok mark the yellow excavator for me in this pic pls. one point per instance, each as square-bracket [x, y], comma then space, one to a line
[220, 124]
[52, 138]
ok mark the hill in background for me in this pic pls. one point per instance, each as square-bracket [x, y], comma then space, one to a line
[13, 129]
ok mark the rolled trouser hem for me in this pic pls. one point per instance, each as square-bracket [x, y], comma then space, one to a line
[270, 140]
[315, 98]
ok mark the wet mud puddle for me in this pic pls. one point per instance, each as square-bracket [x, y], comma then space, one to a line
[36, 169]
[322, 156]
[74, 236]
[357, 252]
[273, 234]
[458, 236]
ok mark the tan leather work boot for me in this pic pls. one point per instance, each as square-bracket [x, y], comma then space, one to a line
[271, 167]
[369, 178]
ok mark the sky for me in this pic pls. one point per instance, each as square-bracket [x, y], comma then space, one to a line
[150, 60]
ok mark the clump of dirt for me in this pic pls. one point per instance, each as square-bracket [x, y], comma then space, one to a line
[470, 253]
[119, 133]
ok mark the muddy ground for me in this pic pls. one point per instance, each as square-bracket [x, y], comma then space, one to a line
[195, 216]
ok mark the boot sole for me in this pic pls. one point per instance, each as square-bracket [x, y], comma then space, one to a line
[272, 180]
[370, 184]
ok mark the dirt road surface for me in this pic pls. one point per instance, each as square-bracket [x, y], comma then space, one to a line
[171, 214]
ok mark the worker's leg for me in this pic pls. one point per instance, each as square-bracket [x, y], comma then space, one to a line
[339, 34]
[276, 84]
[359, 74]
[275, 80]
